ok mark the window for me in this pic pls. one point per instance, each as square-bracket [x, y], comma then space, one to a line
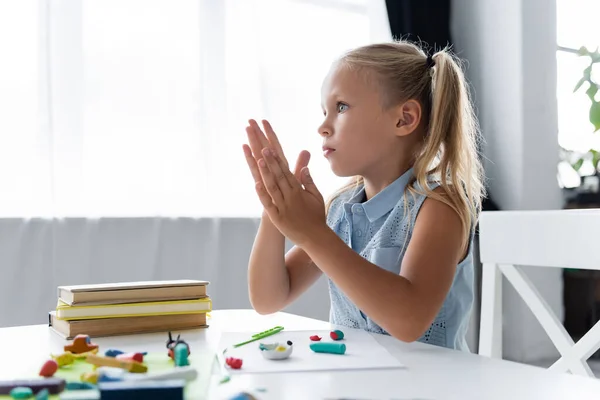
[23, 145]
[138, 107]
[577, 26]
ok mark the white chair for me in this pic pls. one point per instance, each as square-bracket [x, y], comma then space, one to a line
[555, 239]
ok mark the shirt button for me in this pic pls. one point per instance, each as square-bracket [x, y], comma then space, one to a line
[358, 209]
[359, 233]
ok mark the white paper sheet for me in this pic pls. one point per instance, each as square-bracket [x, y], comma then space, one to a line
[362, 352]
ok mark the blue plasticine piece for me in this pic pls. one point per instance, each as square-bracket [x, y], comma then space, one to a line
[80, 386]
[21, 393]
[142, 389]
[43, 394]
[113, 353]
[181, 355]
[241, 396]
[106, 378]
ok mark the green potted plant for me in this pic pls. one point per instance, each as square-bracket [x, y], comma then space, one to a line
[588, 192]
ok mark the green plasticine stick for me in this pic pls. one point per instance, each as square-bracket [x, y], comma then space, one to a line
[327, 347]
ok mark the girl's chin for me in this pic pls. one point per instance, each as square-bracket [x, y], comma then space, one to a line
[341, 170]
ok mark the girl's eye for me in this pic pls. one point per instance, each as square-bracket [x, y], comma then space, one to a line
[341, 107]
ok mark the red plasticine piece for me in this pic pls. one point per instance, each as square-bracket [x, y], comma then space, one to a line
[235, 363]
[138, 357]
[334, 335]
[315, 338]
[49, 369]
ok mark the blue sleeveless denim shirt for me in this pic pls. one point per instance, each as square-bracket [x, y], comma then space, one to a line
[379, 230]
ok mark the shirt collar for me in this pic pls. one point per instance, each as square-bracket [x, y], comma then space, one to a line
[383, 202]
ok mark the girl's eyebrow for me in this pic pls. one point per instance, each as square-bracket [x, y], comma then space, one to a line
[335, 96]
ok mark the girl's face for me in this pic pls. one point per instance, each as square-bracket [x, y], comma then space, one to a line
[359, 136]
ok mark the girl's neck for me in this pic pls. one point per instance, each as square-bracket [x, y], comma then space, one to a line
[378, 180]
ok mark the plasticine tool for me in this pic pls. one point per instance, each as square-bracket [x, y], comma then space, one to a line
[260, 335]
[225, 376]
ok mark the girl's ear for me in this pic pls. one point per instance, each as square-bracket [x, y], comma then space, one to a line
[408, 117]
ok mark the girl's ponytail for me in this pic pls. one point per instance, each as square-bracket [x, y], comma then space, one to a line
[450, 151]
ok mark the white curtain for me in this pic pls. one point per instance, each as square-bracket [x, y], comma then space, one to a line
[137, 107]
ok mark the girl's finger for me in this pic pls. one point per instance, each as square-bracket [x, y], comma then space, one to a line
[301, 162]
[285, 179]
[271, 183]
[274, 141]
[259, 135]
[265, 198]
[255, 143]
[252, 164]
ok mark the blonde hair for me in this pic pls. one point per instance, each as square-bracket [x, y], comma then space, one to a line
[449, 153]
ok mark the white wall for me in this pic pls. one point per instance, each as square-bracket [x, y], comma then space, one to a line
[37, 255]
[511, 51]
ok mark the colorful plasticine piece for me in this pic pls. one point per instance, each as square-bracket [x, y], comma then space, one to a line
[113, 353]
[111, 374]
[90, 377]
[42, 395]
[171, 344]
[80, 386]
[137, 357]
[81, 344]
[234, 363]
[130, 366]
[49, 369]
[315, 338]
[82, 356]
[277, 351]
[242, 396]
[336, 335]
[54, 385]
[328, 347]
[64, 359]
[21, 393]
[181, 353]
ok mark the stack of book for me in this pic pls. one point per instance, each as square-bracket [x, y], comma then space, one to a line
[130, 308]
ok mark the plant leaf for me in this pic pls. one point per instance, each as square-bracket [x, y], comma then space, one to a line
[578, 164]
[583, 51]
[595, 115]
[591, 92]
[595, 158]
[581, 82]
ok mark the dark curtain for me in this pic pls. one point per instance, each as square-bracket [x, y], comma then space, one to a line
[426, 22]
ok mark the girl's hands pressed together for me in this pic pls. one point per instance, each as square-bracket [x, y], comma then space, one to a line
[291, 200]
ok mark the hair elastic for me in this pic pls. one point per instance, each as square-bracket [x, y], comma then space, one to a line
[430, 63]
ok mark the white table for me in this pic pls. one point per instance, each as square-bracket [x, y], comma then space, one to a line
[432, 372]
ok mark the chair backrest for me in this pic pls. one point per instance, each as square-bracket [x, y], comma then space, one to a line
[554, 239]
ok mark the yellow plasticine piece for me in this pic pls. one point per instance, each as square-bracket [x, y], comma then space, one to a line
[90, 377]
[63, 359]
[280, 348]
[131, 366]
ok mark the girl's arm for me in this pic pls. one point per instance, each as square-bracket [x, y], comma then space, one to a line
[275, 281]
[404, 305]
